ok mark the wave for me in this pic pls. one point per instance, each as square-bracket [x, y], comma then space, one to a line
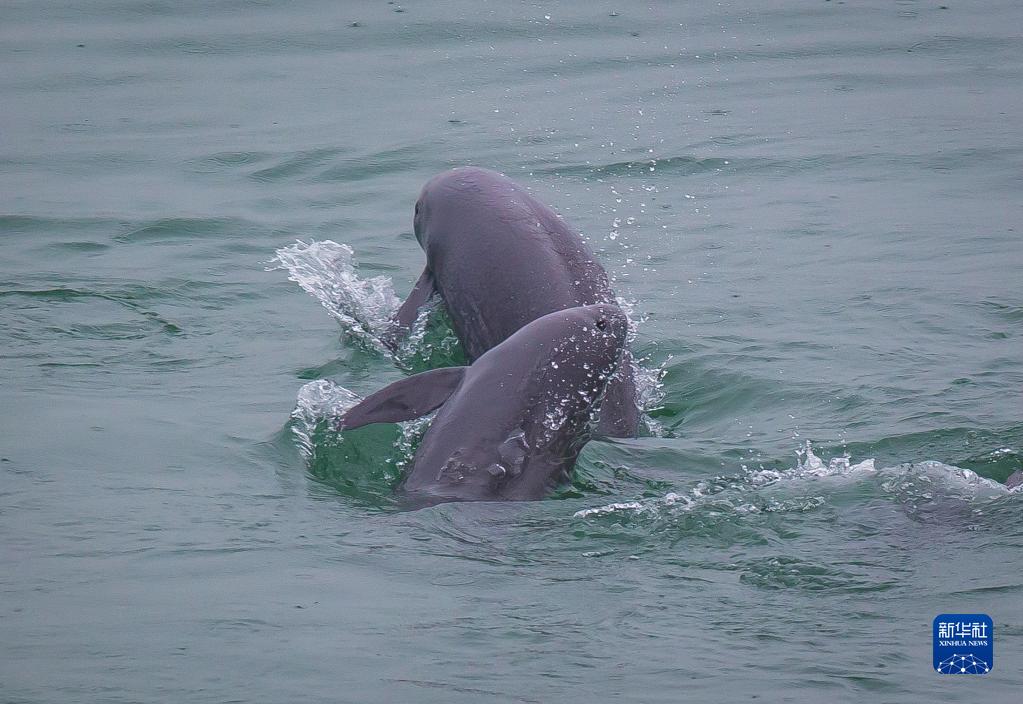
[808, 486]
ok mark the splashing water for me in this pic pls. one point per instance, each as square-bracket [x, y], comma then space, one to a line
[327, 271]
[650, 391]
[431, 341]
[913, 485]
[318, 401]
[323, 403]
[412, 432]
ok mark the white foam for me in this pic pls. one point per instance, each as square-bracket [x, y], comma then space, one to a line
[412, 432]
[744, 493]
[327, 271]
[323, 401]
[318, 401]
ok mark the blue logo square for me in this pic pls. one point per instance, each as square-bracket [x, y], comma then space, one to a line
[964, 644]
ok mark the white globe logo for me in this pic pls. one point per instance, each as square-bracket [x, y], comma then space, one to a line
[963, 665]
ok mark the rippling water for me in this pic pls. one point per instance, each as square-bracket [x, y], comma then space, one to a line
[813, 207]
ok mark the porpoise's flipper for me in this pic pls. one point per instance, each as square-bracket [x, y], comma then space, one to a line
[409, 310]
[409, 398]
[619, 411]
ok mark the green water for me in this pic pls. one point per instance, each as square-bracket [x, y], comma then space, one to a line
[813, 205]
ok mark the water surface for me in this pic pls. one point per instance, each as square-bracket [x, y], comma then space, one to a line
[813, 206]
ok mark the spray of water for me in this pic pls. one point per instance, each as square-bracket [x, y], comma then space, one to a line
[320, 401]
[326, 270]
[750, 490]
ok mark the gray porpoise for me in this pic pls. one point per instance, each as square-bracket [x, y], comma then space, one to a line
[511, 426]
[499, 258]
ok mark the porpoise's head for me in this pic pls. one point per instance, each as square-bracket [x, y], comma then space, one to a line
[586, 340]
[585, 350]
[452, 192]
[516, 430]
[602, 328]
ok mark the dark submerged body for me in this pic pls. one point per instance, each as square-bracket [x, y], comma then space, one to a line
[511, 426]
[499, 259]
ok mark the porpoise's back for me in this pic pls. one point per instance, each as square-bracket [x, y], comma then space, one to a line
[501, 258]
